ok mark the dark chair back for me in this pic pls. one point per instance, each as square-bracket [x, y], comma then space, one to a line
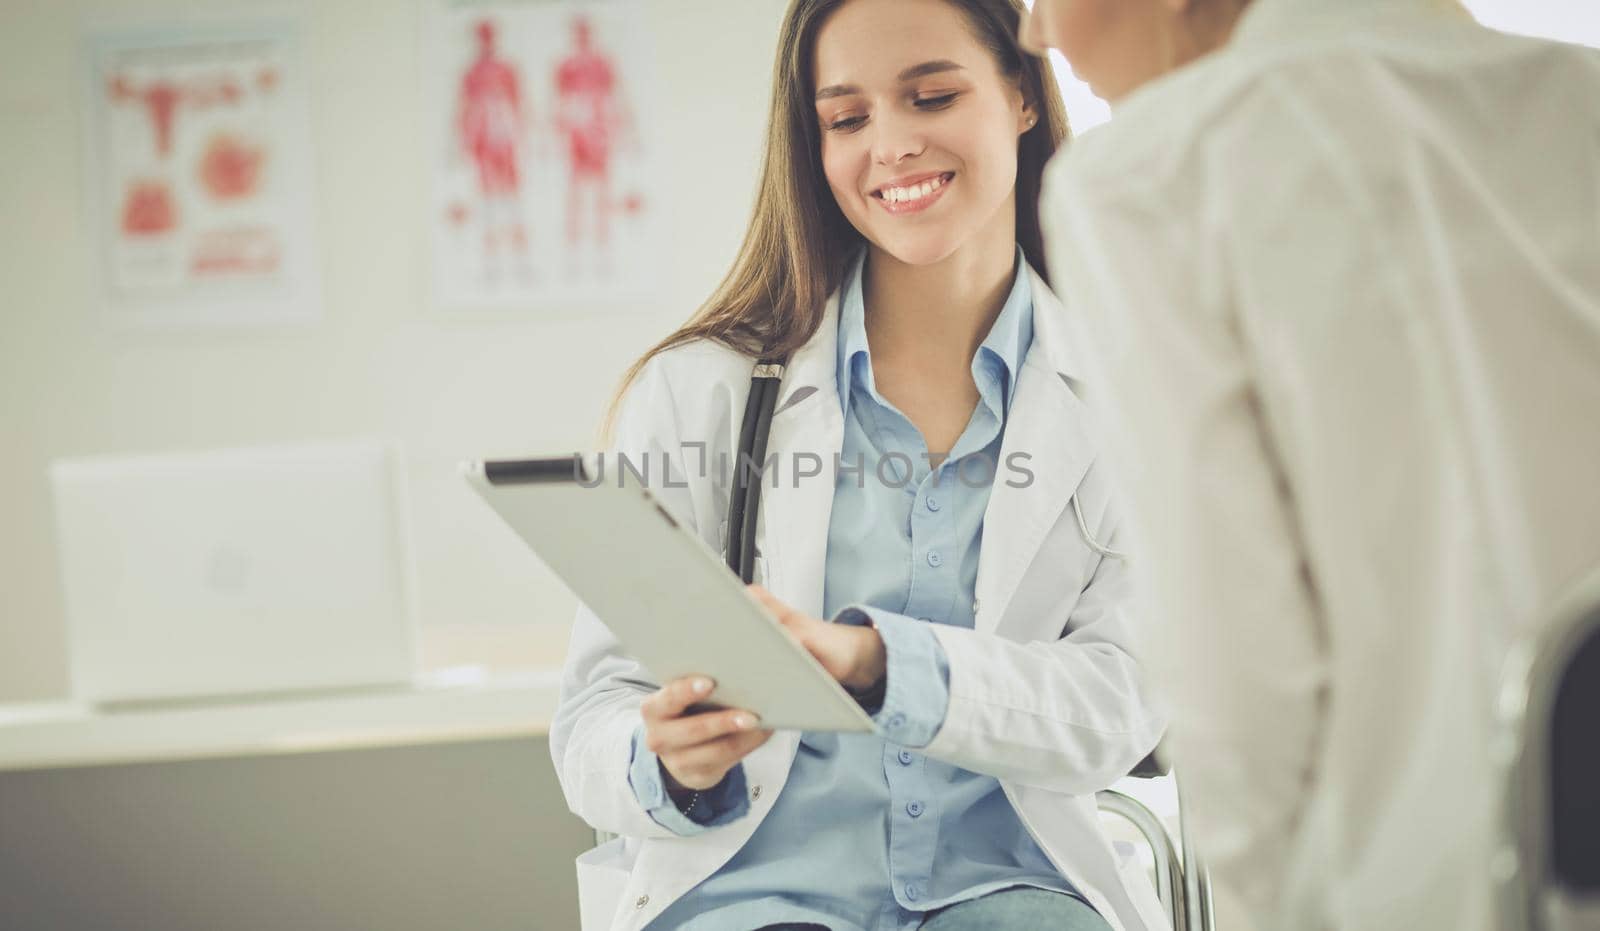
[1574, 808]
[1549, 863]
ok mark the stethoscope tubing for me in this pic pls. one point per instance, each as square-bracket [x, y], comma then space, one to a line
[744, 501]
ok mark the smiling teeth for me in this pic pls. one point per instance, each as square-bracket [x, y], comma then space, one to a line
[899, 195]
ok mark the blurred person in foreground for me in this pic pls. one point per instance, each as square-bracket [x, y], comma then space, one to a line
[1341, 260]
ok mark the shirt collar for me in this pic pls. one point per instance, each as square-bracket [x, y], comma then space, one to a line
[1012, 332]
[852, 331]
[1006, 343]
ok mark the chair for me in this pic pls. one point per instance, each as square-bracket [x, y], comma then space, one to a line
[1182, 882]
[1548, 862]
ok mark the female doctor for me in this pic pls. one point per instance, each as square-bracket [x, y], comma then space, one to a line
[929, 441]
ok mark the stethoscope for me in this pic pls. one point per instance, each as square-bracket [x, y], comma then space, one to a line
[744, 499]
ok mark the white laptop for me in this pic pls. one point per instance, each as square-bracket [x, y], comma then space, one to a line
[237, 573]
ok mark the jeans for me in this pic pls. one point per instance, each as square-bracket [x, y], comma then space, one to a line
[1022, 908]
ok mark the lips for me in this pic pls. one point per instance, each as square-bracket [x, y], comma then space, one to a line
[913, 193]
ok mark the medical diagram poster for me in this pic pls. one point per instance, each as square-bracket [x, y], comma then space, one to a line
[541, 143]
[199, 174]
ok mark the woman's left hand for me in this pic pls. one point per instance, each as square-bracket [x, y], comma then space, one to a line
[853, 655]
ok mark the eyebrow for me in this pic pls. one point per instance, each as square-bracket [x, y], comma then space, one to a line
[910, 74]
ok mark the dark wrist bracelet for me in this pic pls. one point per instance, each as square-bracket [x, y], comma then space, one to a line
[682, 796]
[688, 806]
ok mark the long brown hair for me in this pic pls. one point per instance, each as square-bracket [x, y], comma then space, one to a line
[795, 250]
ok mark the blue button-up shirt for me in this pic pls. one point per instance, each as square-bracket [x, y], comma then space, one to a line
[868, 833]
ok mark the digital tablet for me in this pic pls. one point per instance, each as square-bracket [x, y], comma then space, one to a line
[673, 604]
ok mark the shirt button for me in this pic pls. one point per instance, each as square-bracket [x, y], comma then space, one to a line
[935, 560]
[897, 720]
[905, 757]
[913, 892]
[933, 504]
[914, 809]
[755, 794]
[642, 901]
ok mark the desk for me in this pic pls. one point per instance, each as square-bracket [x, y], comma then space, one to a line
[430, 808]
[450, 705]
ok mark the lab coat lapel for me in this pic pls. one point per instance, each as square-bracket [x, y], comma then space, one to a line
[793, 526]
[1047, 436]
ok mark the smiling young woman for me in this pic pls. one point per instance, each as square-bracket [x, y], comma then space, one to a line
[894, 262]
[799, 240]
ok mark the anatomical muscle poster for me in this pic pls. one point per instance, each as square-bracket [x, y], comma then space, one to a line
[199, 174]
[541, 145]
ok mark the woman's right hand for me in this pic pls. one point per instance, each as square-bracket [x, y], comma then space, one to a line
[697, 750]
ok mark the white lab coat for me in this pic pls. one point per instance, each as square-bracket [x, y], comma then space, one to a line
[1344, 280]
[1044, 693]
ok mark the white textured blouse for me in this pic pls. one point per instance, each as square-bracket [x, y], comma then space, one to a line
[1344, 280]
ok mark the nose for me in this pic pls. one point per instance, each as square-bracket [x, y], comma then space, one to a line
[895, 137]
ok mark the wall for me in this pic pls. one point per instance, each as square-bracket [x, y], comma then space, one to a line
[383, 361]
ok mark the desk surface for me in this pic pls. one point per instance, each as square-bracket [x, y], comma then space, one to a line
[452, 705]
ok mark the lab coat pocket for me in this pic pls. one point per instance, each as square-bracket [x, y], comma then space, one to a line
[602, 875]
